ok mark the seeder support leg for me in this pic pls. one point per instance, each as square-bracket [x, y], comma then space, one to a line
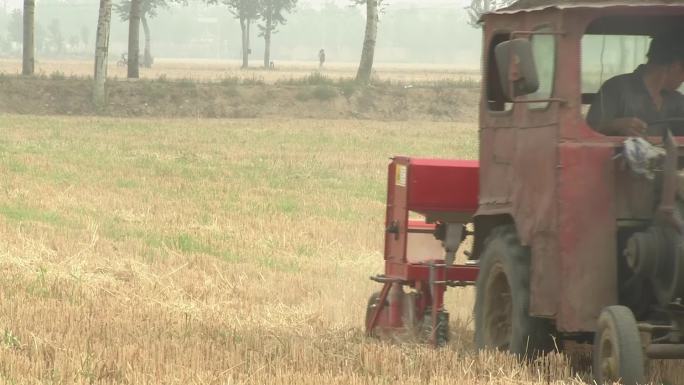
[378, 309]
[437, 288]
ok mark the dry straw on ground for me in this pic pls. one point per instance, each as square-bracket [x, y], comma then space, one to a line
[213, 252]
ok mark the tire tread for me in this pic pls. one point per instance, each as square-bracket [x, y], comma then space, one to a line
[534, 334]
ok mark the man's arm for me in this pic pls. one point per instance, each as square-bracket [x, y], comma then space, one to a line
[678, 127]
[606, 113]
[624, 127]
[680, 104]
[605, 106]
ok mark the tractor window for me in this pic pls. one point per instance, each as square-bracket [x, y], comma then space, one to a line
[544, 51]
[617, 44]
[606, 56]
[496, 99]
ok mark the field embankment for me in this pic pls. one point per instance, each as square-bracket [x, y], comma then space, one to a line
[312, 97]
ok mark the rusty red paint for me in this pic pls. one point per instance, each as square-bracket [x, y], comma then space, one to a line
[420, 226]
[553, 175]
[536, 5]
[544, 169]
[443, 185]
[426, 186]
[421, 272]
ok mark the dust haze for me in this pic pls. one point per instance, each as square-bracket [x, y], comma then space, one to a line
[430, 32]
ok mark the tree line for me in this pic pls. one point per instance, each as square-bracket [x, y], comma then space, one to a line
[267, 15]
[417, 33]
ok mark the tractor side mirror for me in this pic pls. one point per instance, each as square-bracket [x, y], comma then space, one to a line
[517, 70]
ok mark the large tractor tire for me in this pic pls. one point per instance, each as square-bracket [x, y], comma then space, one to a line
[502, 319]
[618, 356]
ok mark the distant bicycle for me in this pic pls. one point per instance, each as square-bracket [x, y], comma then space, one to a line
[123, 61]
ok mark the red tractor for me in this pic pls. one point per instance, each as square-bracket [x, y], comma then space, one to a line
[566, 242]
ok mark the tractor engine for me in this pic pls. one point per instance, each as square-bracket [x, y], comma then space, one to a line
[655, 254]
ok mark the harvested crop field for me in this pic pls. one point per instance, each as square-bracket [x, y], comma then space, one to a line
[219, 70]
[149, 251]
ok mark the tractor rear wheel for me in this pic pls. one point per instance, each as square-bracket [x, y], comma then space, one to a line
[502, 319]
[618, 356]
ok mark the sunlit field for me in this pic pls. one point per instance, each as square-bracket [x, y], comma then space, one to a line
[194, 252]
[216, 70]
[214, 252]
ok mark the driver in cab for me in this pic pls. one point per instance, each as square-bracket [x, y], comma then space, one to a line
[626, 104]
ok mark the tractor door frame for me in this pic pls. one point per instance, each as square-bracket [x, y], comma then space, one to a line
[518, 158]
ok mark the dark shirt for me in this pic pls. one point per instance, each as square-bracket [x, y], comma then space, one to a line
[626, 96]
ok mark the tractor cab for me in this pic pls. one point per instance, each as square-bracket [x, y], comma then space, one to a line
[566, 187]
[571, 236]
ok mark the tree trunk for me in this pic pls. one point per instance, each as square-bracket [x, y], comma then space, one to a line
[147, 56]
[101, 52]
[134, 40]
[366, 65]
[29, 51]
[244, 26]
[267, 41]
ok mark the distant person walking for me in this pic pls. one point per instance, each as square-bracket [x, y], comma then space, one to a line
[321, 58]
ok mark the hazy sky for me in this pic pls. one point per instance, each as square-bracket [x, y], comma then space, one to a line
[411, 2]
[421, 3]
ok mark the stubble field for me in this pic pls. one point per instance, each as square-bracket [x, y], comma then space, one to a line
[214, 252]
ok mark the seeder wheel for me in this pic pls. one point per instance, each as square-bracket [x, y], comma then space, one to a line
[415, 327]
[618, 356]
[373, 302]
[442, 333]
